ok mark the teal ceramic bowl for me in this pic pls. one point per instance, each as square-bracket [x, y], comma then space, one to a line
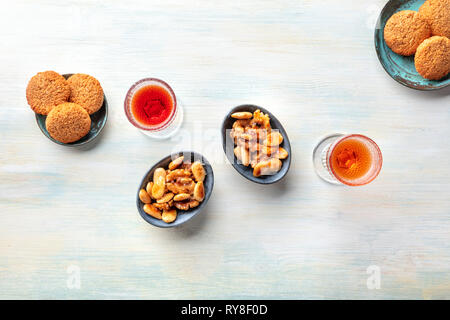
[98, 121]
[401, 68]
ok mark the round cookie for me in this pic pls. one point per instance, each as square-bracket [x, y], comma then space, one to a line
[68, 122]
[432, 58]
[46, 90]
[86, 91]
[437, 14]
[405, 31]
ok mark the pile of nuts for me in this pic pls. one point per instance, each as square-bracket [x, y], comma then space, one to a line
[256, 143]
[180, 186]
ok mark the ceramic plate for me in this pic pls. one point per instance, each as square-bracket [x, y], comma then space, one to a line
[98, 121]
[401, 68]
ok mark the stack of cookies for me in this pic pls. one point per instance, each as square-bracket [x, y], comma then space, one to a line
[67, 104]
[424, 33]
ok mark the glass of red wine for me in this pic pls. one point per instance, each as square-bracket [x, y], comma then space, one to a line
[152, 107]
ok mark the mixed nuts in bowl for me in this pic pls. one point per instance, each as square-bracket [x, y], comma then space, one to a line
[256, 144]
[175, 189]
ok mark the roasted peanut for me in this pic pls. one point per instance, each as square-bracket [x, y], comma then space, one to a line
[236, 131]
[273, 139]
[178, 173]
[242, 155]
[243, 143]
[161, 206]
[186, 184]
[256, 157]
[181, 205]
[176, 163]
[169, 216]
[262, 135]
[144, 196]
[251, 134]
[177, 187]
[248, 136]
[199, 191]
[267, 167]
[186, 166]
[185, 181]
[255, 147]
[181, 197]
[152, 211]
[282, 153]
[165, 198]
[149, 188]
[239, 129]
[193, 203]
[159, 183]
[267, 150]
[261, 118]
[241, 123]
[198, 171]
[172, 187]
[189, 188]
[242, 115]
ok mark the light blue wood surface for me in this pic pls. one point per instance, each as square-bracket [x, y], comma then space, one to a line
[313, 64]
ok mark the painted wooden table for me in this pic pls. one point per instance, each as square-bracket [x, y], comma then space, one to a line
[69, 227]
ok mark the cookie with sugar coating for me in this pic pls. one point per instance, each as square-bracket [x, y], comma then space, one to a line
[46, 90]
[86, 91]
[432, 58]
[437, 14]
[405, 31]
[68, 122]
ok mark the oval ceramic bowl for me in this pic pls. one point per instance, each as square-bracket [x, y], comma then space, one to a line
[183, 216]
[98, 121]
[228, 144]
[401, 68]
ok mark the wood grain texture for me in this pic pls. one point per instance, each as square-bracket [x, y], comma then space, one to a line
[311, 63]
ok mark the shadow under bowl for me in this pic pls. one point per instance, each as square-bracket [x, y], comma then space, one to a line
[182, 216]
[401, 68]
[98, 121]
[228, 146]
